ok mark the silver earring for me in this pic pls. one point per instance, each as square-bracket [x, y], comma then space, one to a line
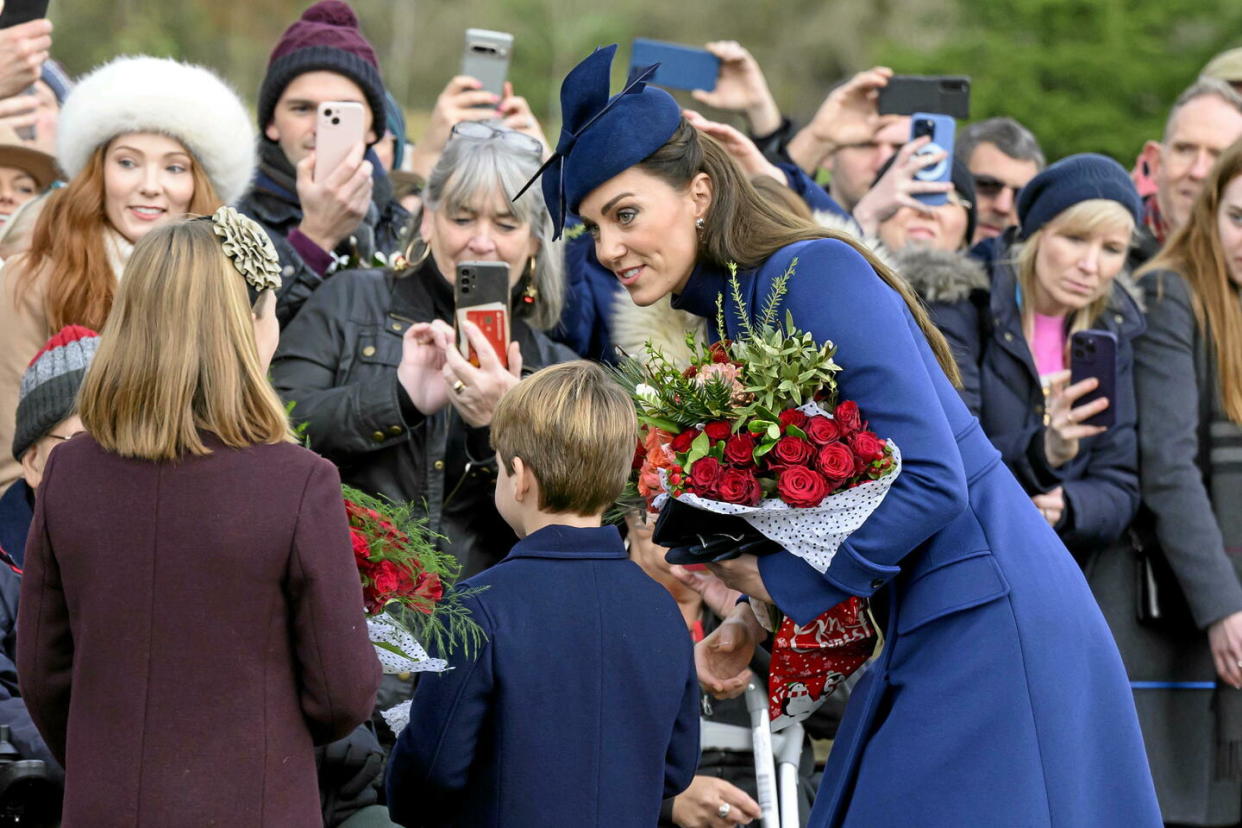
[699, 224]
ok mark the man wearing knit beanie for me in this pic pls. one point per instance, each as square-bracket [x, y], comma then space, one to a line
[46, 417]
[350, 216]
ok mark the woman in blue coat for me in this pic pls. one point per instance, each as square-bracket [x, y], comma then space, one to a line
[999, 697]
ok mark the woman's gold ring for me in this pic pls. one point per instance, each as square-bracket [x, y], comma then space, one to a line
[458, 386]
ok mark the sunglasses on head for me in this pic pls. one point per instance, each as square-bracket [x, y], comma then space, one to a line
[479, 131]
[986, 185]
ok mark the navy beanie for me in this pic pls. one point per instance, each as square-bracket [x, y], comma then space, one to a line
[602, 137]
[963, 185]
[326, 37]
[1071, 180]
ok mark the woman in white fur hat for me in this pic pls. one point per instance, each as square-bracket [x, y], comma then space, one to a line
[143, 141]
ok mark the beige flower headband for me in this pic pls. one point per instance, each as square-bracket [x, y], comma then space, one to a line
[248, 247]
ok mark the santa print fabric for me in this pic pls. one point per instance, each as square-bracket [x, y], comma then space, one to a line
[808, 662]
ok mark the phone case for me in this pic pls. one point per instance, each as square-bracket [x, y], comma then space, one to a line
[338, 128]
[1094, 354]
[941, 128]
[486, 58]
[681, 67]
[482, 296]
[943, 94]
[16, 12]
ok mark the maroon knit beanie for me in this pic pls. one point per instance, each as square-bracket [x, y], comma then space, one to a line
[325, 37]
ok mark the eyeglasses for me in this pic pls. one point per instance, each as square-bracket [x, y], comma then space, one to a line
[956, 200]
[989, 187]
[479, 131]
[65, 437]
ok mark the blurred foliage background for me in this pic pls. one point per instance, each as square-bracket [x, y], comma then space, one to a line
[1085, 75]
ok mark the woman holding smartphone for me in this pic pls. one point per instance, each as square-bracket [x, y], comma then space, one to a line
[999, 697]
[371, 362]
[1057, 273]
[1187, 649]
[191, 623]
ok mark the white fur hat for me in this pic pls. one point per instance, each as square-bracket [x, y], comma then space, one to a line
[181, 100]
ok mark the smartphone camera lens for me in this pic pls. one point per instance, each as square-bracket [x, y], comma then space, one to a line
[1079, 353]
[328, 112]
[924, 127]
[336, 121]
[1090, 347]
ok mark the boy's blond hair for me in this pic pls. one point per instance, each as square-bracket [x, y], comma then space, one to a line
[575, 428]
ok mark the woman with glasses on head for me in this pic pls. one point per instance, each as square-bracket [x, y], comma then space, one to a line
[370, 363]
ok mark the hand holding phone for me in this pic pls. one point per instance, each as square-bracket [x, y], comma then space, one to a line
[338, 129]
[1093, 354]
[486, 58]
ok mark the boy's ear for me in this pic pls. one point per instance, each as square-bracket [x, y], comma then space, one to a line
[521, 480]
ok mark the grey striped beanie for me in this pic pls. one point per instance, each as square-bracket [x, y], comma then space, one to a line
[49, 389]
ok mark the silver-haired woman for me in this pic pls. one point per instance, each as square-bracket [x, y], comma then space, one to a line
[369, 362]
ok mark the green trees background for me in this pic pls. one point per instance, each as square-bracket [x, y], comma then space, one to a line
[1086, 75]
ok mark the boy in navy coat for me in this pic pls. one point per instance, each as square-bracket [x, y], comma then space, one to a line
[582, 706]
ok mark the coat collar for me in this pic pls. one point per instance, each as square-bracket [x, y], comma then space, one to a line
[707, 281]
[559, 541]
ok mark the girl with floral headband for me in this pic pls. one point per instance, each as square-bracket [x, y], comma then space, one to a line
[189, 582]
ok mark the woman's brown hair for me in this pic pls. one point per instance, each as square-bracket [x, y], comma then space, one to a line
[1194, 252]
[743, 226]
[69, 244]
[178, 356]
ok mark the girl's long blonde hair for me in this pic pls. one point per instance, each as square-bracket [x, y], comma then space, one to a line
[178, 356]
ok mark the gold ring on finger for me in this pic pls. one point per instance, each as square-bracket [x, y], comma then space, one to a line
[458, 387]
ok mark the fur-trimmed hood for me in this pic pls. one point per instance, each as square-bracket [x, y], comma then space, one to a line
[148, 94]
[666, 327]
[939, 275]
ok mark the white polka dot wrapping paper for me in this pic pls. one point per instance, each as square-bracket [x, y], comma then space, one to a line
[412, 658]
[813, 534]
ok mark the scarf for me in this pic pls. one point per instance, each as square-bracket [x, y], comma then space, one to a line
[118, 249]
[1153, 218]
[278, 178]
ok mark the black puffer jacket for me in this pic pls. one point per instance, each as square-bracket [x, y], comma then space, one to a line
[337, 363]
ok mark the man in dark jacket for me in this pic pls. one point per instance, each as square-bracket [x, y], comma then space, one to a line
[45, 419]
[350, 215]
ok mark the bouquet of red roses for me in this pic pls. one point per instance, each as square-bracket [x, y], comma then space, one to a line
[752, 429]
[407, 590]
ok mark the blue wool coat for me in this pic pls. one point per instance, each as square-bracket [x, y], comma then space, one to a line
[999, 697]
[580, 710]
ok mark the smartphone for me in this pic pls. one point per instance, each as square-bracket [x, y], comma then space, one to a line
[481, 295]
[941, 129]
[337, 130]
[681, 67]
[486, 58]
[1094, 354]
[942, 94]
[16, 12]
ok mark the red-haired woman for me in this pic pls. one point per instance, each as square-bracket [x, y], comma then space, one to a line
[144, 141]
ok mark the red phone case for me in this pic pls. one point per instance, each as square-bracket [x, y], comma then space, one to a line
[494, 323]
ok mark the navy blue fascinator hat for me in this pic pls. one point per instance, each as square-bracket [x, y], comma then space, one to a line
[602, 136]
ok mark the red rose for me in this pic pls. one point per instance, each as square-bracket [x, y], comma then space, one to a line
[720, 351]
[801, 487]
[719, 430]
[790, 451]
[848, 417]
[836, 462]
[640, 454]
[362, 549]
[681, 443]
[690, 372]
[822, 430]
[867, 446]
[705, 474]
[740, 450]
[386, 578]
[793, 417]
[738, 486]
[430, 589]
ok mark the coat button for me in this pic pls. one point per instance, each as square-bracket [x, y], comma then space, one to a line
[438, 465]
[395, 430]
[369, 350]
[377, 436]
[876, 583]
[286, 271]
[1008, 336]
[1118, 318]
[396, 326]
